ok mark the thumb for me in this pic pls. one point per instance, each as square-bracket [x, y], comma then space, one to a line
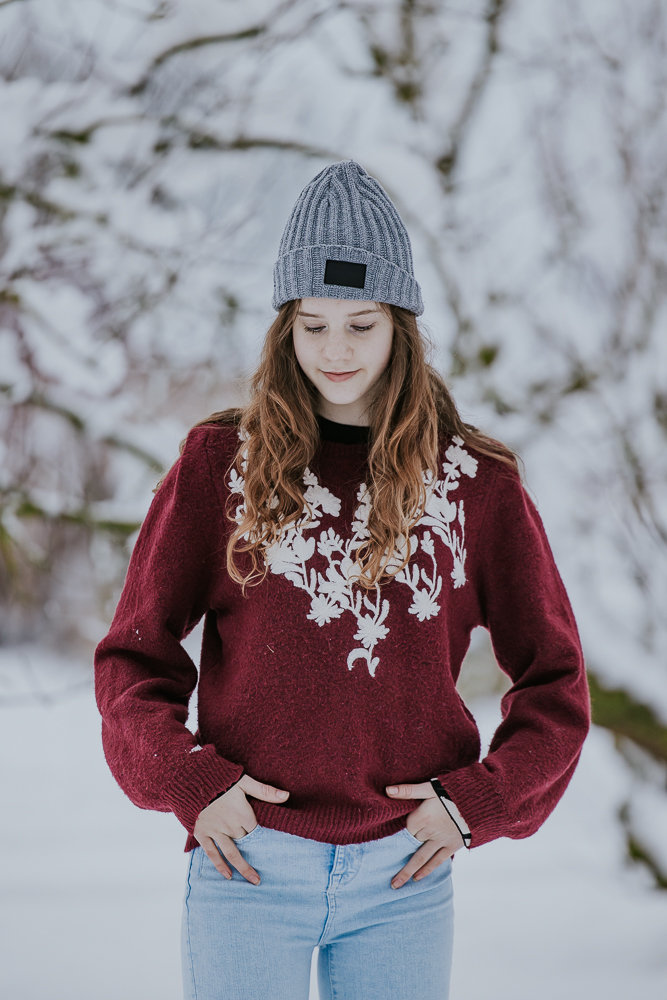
[260, 790]
[421, 791]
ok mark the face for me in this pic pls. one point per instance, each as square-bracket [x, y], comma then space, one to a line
[343, 346]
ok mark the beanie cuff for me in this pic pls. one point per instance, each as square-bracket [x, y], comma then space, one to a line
[300, 274]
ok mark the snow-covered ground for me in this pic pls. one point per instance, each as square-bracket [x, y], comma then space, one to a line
[91, 887]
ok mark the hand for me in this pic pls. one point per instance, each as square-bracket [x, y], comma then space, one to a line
[431, 823]
[232, 816]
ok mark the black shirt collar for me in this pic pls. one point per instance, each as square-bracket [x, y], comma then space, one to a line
[342, 433]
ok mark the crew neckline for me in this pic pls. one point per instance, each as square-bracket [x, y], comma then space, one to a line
[342, 433]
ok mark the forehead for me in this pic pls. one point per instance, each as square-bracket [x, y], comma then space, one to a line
[336, 308]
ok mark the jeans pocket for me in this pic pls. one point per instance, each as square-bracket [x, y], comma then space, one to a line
[411, 838]
[254, 833]
[206, 867]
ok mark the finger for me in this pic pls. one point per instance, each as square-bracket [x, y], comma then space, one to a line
[419, 858]
[425, 790]
[432, 864]
[215, 857]
[246, 820]
[260, 790]
[235, 858]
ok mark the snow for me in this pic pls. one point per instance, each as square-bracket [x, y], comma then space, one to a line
[135, 268]
[91, 887]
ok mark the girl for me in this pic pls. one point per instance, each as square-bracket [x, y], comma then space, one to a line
[341, 535]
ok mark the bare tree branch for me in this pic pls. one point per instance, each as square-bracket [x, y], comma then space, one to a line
[196, 43]
[447, 162]
[43, 403]
[83, 136]
[204, 140]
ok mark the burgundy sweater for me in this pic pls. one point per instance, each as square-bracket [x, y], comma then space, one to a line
[311, 684]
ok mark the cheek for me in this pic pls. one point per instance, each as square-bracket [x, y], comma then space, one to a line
[379, 358]
[305, 351]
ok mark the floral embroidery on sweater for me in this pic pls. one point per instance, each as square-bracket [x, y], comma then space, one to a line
[334, 593]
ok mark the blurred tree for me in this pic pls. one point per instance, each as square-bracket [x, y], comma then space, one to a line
[151, 153]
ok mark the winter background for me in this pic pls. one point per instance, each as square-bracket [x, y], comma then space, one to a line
[150, 151]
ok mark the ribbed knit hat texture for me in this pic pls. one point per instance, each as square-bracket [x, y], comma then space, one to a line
[345, 240]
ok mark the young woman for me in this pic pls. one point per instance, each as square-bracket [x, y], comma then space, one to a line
[341, 535]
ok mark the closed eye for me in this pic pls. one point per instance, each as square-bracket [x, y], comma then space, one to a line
[314, 329]
[363, 329]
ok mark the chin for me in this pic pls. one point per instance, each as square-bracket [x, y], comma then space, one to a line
[341, 400]
[341, 394]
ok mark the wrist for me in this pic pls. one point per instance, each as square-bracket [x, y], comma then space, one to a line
[220, 794]
[453, 813]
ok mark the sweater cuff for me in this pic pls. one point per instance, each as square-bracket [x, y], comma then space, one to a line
[473, 791]
[453, 813]
[203, 776]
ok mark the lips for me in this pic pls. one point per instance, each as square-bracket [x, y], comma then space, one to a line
[340, 376]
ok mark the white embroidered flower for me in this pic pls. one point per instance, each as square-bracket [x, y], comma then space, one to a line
[440, 508]
[350, 569]
[335, 592]
[317, 496]
[423, 606]
[452, 472]
[323, 611]
[370, 631]
[459, 457]
[280, 561]
[335, 583]
[427, 544]
[290, 551]
[329, 543]
[458, 573]
[363, 654]
[361, 515]
[236, 483]
[363, 495]
[320, 496]
[398, 557]
[303, 548]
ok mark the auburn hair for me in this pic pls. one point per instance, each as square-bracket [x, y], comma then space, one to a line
[411, 412]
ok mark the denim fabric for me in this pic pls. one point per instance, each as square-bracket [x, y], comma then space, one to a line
[247, 942]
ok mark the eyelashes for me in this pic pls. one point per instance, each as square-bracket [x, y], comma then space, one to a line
[357, 329]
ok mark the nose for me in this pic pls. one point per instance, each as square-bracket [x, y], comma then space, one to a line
[337, 347]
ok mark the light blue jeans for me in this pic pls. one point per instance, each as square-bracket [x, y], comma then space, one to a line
[247, 942]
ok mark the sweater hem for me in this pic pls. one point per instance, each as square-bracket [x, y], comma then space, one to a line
[339, 831]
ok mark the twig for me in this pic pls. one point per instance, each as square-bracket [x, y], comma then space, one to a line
[447, 162]
[191, 45]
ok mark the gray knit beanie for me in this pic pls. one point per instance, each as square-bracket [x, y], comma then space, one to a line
[345, 240]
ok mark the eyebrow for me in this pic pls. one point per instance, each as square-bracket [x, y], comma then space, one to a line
[363, 312]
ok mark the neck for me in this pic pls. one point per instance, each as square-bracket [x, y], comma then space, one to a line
[353, 414]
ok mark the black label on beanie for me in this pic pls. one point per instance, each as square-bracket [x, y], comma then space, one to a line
[342, 272]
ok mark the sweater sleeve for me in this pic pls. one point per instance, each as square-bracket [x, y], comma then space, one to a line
[546, 712]
[143, 676]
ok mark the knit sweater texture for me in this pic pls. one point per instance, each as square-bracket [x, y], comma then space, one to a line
[332, 692]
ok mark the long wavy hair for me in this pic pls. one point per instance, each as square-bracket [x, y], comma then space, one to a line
[411, 412]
